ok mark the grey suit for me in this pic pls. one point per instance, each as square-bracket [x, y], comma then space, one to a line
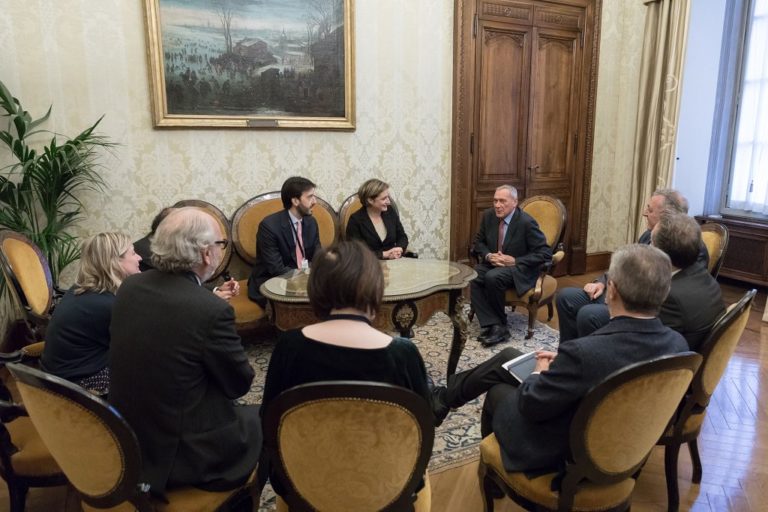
[176, 365]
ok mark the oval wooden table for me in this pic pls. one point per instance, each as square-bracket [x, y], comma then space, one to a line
[415, 290]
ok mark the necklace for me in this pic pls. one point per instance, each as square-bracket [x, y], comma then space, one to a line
[349, 316]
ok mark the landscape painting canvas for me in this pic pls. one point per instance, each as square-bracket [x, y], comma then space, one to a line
[251, 63]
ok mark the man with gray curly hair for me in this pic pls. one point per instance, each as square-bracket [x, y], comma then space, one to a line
[177, 364]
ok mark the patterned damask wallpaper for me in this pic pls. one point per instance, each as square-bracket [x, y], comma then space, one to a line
[88, 58]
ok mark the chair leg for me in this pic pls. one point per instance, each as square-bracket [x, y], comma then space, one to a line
[550, 312]
[671, 451]
[531, 323]
[693, 448]
[488, 490]
[18, 497]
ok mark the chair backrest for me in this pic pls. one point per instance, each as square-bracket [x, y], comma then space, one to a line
[246, 220]
[717, 350]
[89, 440]
[348, 445]
[715, 237]
[348, 207]
[223, 223]
[620, 420]
[549, 212]
[27, 271]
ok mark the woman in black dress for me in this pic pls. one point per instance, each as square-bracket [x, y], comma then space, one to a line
[377, 223]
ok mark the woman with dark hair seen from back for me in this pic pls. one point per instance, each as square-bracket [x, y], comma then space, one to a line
[346, 287]
[77, 338]
[377, 223]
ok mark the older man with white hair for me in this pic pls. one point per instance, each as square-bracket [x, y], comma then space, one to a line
[177, 364]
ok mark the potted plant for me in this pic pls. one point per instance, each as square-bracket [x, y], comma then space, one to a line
[40, 187]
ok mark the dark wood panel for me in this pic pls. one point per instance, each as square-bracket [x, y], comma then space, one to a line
[746, 258]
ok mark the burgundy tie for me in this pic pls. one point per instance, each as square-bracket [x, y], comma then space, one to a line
[299, 255]
[501, 235]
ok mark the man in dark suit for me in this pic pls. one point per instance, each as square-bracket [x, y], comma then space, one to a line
[511, 249]
[581, 311]
[277, 250]
[695, 300]
[532, 420]
[177, 364]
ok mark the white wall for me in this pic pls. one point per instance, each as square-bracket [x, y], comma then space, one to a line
[702, 61]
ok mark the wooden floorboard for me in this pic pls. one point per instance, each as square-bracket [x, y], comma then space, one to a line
[733, 443]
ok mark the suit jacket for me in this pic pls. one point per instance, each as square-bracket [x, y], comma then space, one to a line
[523, 240]
[176, 365]
[360, 227]
[693, 305]
[276, 249]
[532, 424]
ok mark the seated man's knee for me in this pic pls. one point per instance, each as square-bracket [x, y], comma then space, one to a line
[498, 278]
[591, 317]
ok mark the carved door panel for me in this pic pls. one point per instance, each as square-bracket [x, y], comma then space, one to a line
[522, 97]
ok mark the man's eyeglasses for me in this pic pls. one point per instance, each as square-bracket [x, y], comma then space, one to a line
[222, 243]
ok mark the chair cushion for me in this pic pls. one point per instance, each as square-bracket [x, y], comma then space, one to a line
[246, 311]
[692, 424]
[191, 499]
[33, 458]
[538, 490]
[548, 289]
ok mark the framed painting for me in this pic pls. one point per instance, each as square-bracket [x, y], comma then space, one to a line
[251, 63]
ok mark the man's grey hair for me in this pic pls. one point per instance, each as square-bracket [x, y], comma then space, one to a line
[642, 275]
[180, 238]
[512, 190]
[679, 236]
[673, 200]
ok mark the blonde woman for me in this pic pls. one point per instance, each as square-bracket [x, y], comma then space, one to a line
[77, 338]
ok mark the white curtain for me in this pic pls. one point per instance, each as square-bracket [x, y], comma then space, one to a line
[749, 174]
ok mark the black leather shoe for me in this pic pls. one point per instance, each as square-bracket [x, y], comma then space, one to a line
[500, 334]
[485, 333]
[439, 408]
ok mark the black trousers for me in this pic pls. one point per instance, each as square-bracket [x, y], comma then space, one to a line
[487, 377]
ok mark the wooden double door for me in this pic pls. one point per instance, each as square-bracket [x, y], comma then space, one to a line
[524, 84]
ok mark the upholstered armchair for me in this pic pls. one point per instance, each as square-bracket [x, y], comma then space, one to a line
[611, 435]
[716, 351]
[715, 237]
[349, 446]
[28, 275]
[98, 451]
[24, 460]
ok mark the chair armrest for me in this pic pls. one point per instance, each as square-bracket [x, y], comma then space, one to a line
[33, 350]
[11, 357]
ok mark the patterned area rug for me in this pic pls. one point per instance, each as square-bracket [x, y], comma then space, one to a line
[457, 439]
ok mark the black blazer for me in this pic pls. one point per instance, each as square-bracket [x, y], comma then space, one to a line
[176, 365]
[360, 227]
[693, 305]
[523, 240]
[532, 424]
[276, 249]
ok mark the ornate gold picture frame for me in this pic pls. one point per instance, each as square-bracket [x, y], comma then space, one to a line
[269, 64]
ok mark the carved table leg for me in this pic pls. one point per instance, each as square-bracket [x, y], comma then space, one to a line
[460, 322]
[404, 316]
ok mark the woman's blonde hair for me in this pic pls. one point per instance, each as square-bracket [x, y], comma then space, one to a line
[371, 189]
[100, 269]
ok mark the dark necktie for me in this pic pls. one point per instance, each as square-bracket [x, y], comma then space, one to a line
[501, 235]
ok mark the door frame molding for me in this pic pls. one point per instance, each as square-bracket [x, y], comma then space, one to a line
[461, 158]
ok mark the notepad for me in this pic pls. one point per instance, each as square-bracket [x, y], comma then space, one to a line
[522, 366]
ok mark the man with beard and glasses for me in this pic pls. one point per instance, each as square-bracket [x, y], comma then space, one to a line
[177, 364]
[286, 240]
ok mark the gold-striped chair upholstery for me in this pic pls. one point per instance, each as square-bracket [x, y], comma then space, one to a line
[716, 350]
[715, 237]
[612, 433]
[350, 446]
[97, 450]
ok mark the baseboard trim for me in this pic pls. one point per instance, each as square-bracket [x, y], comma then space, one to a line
[598, 261]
